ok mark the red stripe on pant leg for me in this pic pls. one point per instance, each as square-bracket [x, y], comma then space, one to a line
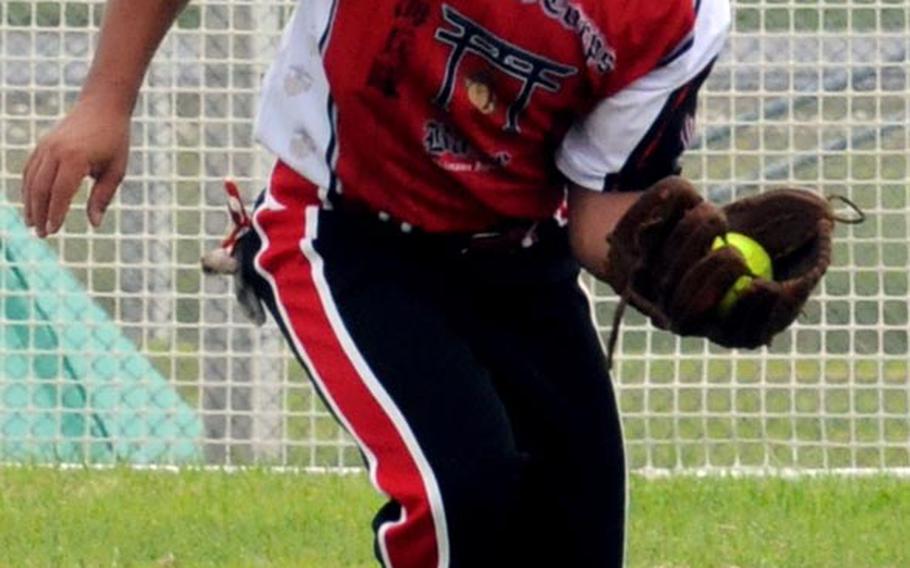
[411, 543]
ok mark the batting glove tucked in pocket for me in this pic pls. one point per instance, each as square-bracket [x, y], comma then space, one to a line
[229, 258]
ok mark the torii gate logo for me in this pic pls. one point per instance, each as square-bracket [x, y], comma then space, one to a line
[534, 71]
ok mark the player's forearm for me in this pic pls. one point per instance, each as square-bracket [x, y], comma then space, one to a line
[130, 33]
[592, 216]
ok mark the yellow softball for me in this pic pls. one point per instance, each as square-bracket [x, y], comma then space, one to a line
[757, 260]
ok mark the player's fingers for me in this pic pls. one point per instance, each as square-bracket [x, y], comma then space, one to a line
[28, 173]
[102, 194]
[66, 183]
[39, 193]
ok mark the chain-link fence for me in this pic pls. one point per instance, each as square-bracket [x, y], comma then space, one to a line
[808, 92]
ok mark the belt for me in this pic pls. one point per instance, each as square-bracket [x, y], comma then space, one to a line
[512, 236]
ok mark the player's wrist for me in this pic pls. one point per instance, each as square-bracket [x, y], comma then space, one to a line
[592, 216]
[112, 100]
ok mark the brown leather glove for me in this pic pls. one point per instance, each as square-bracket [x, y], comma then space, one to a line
[661, 260]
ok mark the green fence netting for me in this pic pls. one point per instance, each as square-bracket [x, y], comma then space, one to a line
[73, 388]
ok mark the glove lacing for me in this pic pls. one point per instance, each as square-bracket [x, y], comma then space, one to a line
[617, 326]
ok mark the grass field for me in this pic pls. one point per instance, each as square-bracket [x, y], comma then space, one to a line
[256, 518]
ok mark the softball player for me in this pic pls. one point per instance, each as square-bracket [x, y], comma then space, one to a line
[413, 245]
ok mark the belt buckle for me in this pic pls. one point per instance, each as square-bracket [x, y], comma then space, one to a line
[512, 240]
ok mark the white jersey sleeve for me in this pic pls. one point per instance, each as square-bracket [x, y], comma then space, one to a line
[294, 119]
[638, 133]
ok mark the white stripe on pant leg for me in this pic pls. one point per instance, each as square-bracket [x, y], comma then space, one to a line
[375, 387]
[428, 479]
[269, 203]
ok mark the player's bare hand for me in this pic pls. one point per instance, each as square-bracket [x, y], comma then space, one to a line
[90, 141]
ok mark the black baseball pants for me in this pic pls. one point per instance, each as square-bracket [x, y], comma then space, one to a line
[473, 382]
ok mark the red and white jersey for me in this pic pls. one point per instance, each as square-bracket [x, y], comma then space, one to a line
[458, 115]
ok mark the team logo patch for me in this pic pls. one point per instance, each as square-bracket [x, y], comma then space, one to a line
[534, 72]
[480, 93]
[297, 81]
